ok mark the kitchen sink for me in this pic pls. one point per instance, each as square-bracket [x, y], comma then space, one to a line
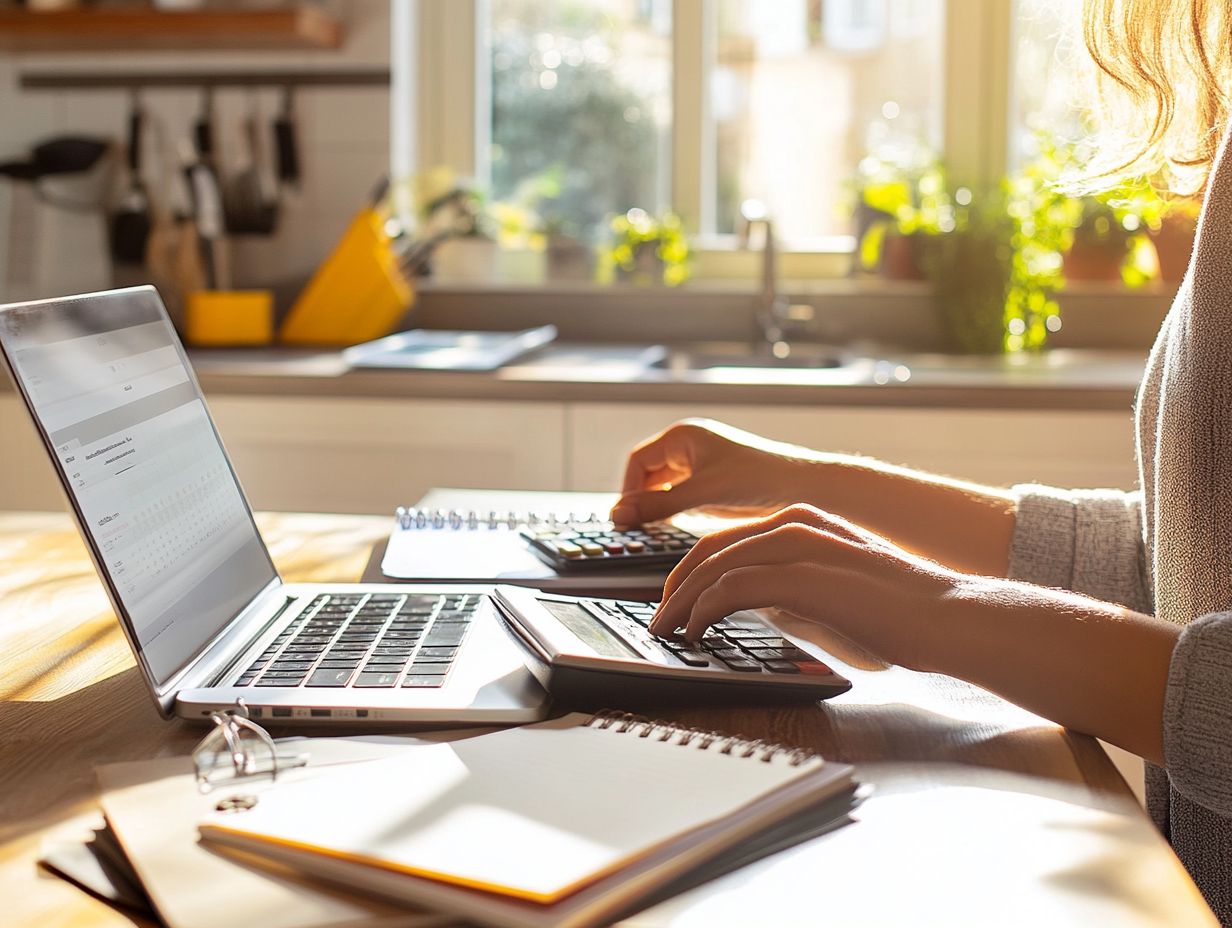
[711, 355]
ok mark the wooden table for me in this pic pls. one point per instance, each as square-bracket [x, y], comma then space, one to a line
[982, 813]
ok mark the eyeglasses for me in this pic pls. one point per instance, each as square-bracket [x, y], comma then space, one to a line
[237, 748]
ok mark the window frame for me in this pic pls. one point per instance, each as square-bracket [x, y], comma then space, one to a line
[450, 103]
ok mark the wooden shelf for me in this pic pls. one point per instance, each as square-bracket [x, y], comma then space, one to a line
[142, 28]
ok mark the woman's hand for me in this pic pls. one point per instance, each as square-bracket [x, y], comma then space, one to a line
[700, 464]
[816, 567]
[1088, 665]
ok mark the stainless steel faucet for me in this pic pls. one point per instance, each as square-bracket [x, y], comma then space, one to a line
[772, 310]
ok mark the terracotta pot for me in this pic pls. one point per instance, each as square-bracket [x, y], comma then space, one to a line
[900, 258]
[569, 259]
[1173, 247]
[1093, 262]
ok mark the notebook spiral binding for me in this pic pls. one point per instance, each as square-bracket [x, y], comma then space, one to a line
[643, 727]
[411, 518]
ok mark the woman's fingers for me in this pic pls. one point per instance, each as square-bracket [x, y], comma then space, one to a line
[644, 506]
[669, 454]
[784, 545]
[714, 542]
[795, 588]
[654, 469]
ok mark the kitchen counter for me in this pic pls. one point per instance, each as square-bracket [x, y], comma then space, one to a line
[1069, 379]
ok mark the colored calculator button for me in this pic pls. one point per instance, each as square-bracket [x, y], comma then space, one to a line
[567, 549]
[813, 667]
[635, 547]
[614, 548]
[590, 549]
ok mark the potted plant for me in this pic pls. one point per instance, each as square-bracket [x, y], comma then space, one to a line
[1163, 230]
[900, 200]
[969, 265]
[456, 212]
[1101, 243]
[569, 257]
[645, 249]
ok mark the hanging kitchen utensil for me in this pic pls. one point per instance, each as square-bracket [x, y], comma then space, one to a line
[286, 141]
[203, 128]
[248, 197]
[130, 225]
[207, 199]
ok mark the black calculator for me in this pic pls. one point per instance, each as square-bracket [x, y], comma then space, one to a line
[590, 653]
[600, 545]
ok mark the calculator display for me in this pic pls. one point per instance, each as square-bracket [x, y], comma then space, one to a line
[589, 629]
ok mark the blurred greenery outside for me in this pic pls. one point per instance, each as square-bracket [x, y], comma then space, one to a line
[573, 144]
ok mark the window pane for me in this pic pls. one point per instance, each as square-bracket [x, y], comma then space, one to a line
[581, 108]
[802, 89]
[1052, 75]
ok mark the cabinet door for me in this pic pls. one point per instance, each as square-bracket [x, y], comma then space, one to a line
[368, 455]
[999, 447]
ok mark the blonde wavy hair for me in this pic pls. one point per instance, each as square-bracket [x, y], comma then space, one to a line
[1165, 74]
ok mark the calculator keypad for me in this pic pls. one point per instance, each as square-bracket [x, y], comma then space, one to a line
[588, 545]
[742, 644]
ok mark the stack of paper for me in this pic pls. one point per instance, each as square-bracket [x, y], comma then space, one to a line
[568, 823]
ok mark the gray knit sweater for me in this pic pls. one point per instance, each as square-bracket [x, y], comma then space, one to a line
[1167, 550]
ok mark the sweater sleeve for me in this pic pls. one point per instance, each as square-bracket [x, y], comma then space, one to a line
[1086, 541]
[1198, 713]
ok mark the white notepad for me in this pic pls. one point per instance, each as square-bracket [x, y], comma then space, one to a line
[567, 822]
[456, 536]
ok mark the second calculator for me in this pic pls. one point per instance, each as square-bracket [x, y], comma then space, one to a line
[600, 545]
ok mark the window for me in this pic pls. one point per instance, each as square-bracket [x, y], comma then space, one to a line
[581, 108]
[801, 91]
[1051, 72]
[589, 107]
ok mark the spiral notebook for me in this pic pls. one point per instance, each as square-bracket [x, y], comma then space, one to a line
[459, 536]
[567, 823]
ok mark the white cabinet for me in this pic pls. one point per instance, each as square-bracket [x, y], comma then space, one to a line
[356, 454]
[323, 454]
[26, 478]
[998, 447]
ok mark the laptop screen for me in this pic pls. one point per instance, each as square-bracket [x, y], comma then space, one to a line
[109, 384]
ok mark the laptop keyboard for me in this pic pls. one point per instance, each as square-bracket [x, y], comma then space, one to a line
[381, 640]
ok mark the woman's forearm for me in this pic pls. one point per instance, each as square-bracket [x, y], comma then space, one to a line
[1091, 666]
[964, 526]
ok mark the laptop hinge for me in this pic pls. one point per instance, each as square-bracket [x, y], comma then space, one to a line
[234, 641]
[230, 667]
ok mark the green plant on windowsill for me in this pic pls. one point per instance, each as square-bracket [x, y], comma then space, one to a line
[969, 267]
[1041, 219]
[901, 198]
[645, 249]
[1058, 237]
[1161, 229]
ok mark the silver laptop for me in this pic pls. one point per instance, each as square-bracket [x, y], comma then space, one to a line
[120, 412]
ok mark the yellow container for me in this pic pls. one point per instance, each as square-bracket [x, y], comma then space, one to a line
[357, 294]
[217, 318]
